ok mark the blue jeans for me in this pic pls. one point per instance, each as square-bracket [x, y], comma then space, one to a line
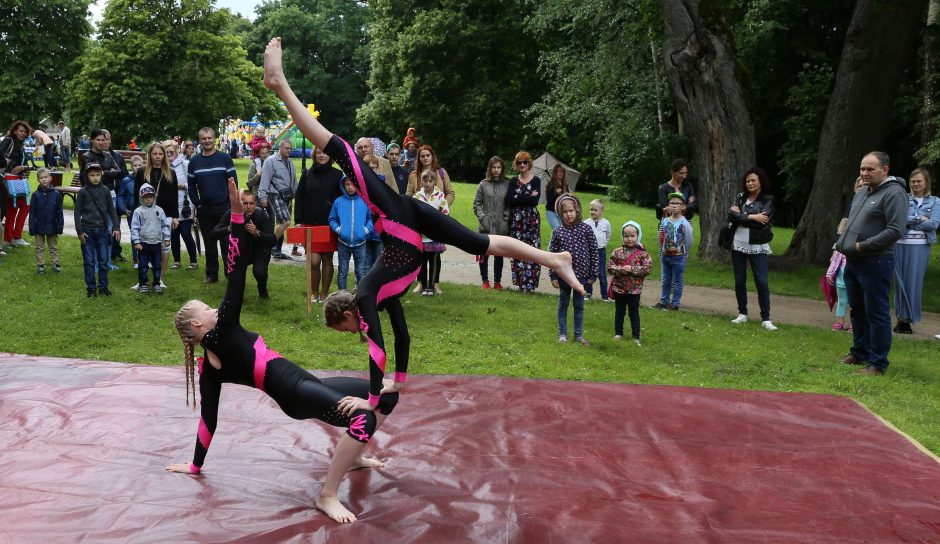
[564, 295]
[149, 257]
[96, 252]
[124, 201]
[758, 262]
[359, 254]
[553, 220]
[673, 278]
[868, 280]
[373, 252]
[601, 274]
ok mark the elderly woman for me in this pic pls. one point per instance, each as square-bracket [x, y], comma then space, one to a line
[752, 212]
[912, 252]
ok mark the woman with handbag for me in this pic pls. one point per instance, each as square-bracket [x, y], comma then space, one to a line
[751, 214]
[15, 185]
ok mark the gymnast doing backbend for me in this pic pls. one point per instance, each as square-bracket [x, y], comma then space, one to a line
[239, 356]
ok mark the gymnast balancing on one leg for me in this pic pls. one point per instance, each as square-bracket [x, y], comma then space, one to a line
[401, 222]
[238, 356]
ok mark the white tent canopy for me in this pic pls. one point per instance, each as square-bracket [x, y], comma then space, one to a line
[543, 166]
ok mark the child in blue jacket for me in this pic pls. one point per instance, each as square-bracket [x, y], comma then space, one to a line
[351, 221]
[46, 221]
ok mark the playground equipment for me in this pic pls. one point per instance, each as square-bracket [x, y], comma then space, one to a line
[275, 131]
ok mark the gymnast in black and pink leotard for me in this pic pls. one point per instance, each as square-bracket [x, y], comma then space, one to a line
[236, 355]
[401, 222]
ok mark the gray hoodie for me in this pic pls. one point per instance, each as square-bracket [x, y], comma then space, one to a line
[876, 221]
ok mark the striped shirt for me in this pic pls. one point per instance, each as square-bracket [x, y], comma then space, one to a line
[208, 179]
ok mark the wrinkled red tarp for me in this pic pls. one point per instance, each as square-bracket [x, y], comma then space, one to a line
[469, 459]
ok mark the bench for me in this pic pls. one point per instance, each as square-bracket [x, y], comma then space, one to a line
[71, 190]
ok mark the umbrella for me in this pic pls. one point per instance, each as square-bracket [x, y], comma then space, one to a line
[378, 147]
[543, 166]
[829, 292]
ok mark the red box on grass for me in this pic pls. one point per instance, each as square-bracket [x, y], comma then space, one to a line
[322, 239]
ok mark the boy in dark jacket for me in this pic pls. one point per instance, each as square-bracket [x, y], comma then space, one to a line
[46, 221]
[96, 223]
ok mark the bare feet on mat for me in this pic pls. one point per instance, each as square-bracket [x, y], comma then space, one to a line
[273, 70]
[566, 272]
[335, 509]
[366, 462]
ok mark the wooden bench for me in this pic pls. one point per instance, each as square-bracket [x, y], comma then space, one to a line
[70, 190]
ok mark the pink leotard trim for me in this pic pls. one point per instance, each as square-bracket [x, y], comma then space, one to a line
[262, 356]
[401, 232]
[205, 437]
[233, 253]
[374, 399]
[400, 377]
[193, 469]
[238, 218]
[357, 427]
[377, 353]
[397, 286]
[201, 360]
[363, 191]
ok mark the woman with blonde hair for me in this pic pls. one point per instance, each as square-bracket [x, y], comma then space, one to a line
[158, 173]
[912, 251]
[239, 356]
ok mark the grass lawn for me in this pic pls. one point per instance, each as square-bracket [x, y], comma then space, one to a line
[464, 332]
[785, 279]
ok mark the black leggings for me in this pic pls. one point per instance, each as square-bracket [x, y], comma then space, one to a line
[622, 302]
[303, 396]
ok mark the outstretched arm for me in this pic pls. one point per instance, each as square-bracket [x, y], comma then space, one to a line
[274, 79]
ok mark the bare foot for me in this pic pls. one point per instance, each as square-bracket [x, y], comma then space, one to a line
[273, 69]
[566, 272]
[366, 462]
[335, 509]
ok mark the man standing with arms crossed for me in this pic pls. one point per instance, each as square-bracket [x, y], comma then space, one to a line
[208, 191]
[876, 221]
[277, 190]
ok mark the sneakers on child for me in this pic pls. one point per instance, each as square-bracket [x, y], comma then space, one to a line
[769, 325]
[175, 266]
[112, 266]
[135, 287]
[740, 320]
[192, 266]
[19, 242]
[581, 340]
[143, 289]
[486, 285]
[637, 342]
[158, 288]
[618, 337]
[92, 293]
[57, 269]
[562, 339]
[838, 326]
[105, 291]
[40, 269]
[497, 286]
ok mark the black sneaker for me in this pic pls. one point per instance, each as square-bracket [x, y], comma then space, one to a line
[210, 279]
[41, 269]
[105, 291]
[660, 306]
[92, 293]
[903, 327]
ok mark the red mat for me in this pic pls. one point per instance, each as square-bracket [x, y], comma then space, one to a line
[468, 459]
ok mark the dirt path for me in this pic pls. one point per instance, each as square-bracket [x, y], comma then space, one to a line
[461, 267]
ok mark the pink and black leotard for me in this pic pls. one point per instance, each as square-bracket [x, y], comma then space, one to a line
[246, 360]
[401, 222]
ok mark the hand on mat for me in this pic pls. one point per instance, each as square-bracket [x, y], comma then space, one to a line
[348, 405]
[391, 386]
[180, 467]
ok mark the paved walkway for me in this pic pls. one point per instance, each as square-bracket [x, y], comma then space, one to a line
[461, 267]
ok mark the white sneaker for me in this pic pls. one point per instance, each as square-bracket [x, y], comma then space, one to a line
[937, 336]
[135, 287]
[769, 325]
[162, 285]
[19, 242]
[741, 319]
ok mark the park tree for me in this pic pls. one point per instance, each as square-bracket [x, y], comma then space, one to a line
[607, 110]
[706, 83]
[326, 53]
[461, 72]
[878, 43]
[39, 42]
[172, 68]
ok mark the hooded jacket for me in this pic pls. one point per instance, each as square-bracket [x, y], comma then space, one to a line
[350, 218]
[45, 212]
[877, 220]
[149, 224]
[629, 267]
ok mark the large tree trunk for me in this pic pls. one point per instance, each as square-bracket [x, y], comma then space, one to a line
[878, 43]
[931, 76]
[700, 65]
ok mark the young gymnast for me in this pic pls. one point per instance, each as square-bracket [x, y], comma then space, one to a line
[401, 222]
[239, 356]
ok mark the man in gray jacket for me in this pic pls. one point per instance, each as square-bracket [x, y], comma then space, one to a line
[876, 221]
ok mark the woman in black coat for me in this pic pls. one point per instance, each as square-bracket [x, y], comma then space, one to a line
[751, 213]
[312, 205]
[158, 172]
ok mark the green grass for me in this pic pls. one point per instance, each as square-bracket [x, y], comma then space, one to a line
[465, 332]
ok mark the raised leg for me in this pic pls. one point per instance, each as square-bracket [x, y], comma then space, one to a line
[504, 246]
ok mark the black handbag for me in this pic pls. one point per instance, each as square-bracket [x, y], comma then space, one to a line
[726, 235]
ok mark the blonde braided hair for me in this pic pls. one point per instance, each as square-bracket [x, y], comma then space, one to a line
[183, 326]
